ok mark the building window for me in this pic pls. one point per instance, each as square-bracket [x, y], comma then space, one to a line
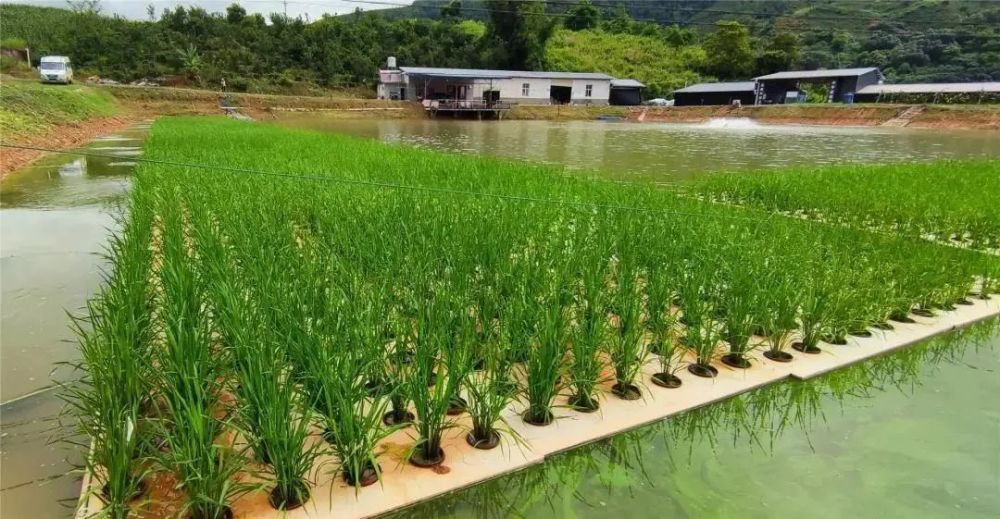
[525, 89]
[588, 91]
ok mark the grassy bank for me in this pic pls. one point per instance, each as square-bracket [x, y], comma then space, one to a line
[28, 108]
[179, 101]
[346, 288]
[952, 201]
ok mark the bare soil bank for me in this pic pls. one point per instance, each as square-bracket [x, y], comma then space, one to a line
[61, 137]
[184, 101]
[985, 117]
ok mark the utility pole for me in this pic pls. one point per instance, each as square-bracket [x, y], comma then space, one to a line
[285, 2]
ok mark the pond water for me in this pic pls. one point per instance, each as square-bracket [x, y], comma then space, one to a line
[55, 216]
[930, 450]
[666, 152]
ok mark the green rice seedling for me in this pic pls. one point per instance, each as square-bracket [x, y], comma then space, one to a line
[702, 334]
[625, 348]
[398, 360]
[777, 307]
[278, 429]
[738, 320]
[490, 392]
[903, 199]
[335, 359]
[589, 333]
[989, 278]
[445, 369]
[297, 300]
[544, 366]
[190, 383]
[813, 317]
[113, 400]
[660, 323]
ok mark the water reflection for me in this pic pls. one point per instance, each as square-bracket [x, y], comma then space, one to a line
[665, 152]
[61, 181]
[682, 465]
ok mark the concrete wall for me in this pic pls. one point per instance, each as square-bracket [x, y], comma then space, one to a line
[511, 90]
[600, 92]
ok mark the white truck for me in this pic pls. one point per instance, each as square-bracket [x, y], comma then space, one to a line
[55, 69]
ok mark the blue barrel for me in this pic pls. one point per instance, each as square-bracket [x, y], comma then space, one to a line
[849, 98]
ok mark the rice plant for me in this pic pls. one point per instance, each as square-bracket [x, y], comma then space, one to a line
[490, 391]
[112, 403]
[543, 368]
[739, 319]
[589, 334]
[701, 332]
[777, 312]
[625, 347]
[271, 304]
[661, 324]
[434, 381]
[946, 201]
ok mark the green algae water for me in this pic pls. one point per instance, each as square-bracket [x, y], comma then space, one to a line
[912, 434]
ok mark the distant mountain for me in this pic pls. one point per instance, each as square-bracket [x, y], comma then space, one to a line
[911, 40]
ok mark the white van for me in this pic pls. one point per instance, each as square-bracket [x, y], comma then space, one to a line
[55, 69]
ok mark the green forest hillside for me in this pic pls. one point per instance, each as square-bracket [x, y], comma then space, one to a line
[664, 44]
[911, 40]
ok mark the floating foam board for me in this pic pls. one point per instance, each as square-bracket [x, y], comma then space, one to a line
[403, 485]
[904, 334]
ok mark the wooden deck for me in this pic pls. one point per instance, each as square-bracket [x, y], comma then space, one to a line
[479, 108]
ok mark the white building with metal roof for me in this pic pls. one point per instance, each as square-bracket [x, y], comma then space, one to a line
[491, 87]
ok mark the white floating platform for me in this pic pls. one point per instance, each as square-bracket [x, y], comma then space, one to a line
[403, 484]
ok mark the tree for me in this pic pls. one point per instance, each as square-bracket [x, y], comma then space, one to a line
[235, 13]
[85, 6]
[190, 61]
[582, 16]
[452, 10]
[517, 33]
[781, 53]
[621, 22]
[728, 50]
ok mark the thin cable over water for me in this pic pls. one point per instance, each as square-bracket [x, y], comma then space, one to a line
[402, 187]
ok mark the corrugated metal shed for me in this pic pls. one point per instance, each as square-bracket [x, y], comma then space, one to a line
[728, 86]
[932, 88]
[814, 74]
[626, 83]
[469, 73]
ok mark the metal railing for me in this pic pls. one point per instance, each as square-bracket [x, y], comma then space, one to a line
[458, 104]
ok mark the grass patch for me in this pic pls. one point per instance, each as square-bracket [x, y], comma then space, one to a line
[29, 108]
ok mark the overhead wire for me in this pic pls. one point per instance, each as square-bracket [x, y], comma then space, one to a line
[396, 186]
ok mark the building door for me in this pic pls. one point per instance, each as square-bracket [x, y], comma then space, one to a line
[560, 95]
[491, 96]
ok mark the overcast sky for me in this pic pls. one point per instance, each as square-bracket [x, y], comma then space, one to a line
[136, 9]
